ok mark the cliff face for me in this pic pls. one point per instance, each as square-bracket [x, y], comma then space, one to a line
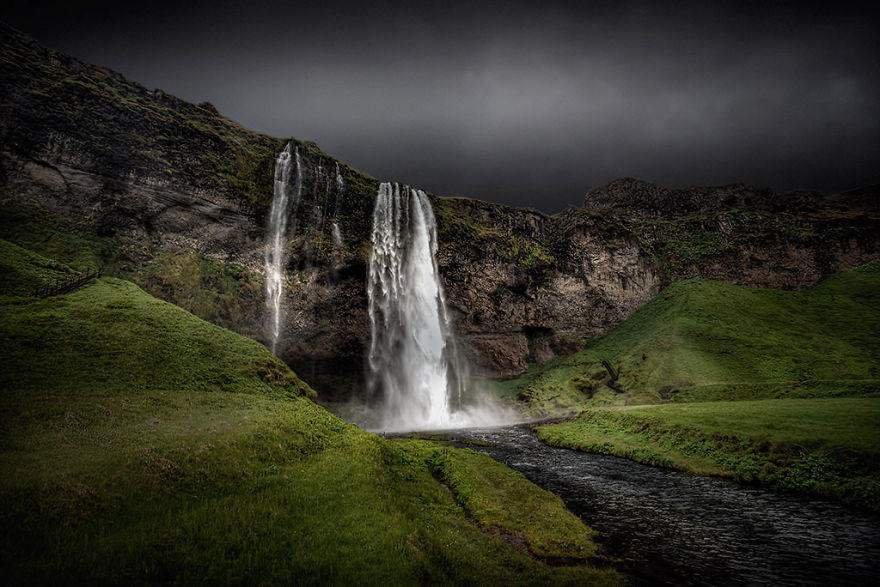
[175, 196]
[528, 286]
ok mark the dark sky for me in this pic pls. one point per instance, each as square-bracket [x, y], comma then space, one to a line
[528, 104]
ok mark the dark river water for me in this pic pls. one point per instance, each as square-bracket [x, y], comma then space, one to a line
[675, 528]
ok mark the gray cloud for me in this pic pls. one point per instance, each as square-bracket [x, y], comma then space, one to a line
[519, 103]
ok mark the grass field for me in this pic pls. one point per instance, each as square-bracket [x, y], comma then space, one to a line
[702, 340]
[829, 447]
[139, 444]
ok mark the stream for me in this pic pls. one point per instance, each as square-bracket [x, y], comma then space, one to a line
[670, 527]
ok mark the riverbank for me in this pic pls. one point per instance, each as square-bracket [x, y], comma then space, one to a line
[828, 447]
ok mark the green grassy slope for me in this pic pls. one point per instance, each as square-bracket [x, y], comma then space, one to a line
[141, 444]
[703, 340]
[24, 272]
[225, 294]
[825, 446]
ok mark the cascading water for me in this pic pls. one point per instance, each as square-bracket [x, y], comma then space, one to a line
[340, 189]
[320, 209]
[336, 252]
[335, 237]
[408, 337]
[277, 232]
[413, 360]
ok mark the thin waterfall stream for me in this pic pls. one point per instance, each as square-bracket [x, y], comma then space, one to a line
[285, 165]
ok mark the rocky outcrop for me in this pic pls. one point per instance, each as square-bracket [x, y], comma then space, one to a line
[175, 196]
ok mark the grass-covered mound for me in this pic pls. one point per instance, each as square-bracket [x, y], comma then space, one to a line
[141, 444]
[23, 272]
[702, 340]
[828, 447]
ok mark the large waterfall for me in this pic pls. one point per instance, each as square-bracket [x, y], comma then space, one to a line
[413, 360]
[277, 234]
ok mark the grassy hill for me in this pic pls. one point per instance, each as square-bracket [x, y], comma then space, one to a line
[702, 340]
[803, 367]
[139, 444]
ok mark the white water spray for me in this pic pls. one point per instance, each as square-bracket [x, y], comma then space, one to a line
[277, 232]
[412, 359]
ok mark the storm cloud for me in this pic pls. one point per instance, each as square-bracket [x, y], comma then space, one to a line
[528, 104]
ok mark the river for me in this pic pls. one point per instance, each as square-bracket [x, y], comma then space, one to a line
[670, 527]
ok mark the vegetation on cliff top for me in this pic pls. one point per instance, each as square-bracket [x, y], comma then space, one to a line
[682, 241]
[825, 446]
[89, 113]
[686, 229]
[139, 443]
[488, 229]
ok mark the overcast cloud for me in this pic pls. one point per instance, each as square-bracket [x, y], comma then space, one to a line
[528, 104]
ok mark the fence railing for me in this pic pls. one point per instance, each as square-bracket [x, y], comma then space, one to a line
[75, 281]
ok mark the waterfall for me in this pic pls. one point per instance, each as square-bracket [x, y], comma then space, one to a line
[340, 190]
[326, 206]
[336, 252]
[320, 210]
[411, 358]
[276, 234]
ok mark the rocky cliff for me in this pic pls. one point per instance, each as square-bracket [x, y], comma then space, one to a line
[530, 286]
[174, 196]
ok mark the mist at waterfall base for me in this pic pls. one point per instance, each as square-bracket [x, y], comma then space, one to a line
[415, 365]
